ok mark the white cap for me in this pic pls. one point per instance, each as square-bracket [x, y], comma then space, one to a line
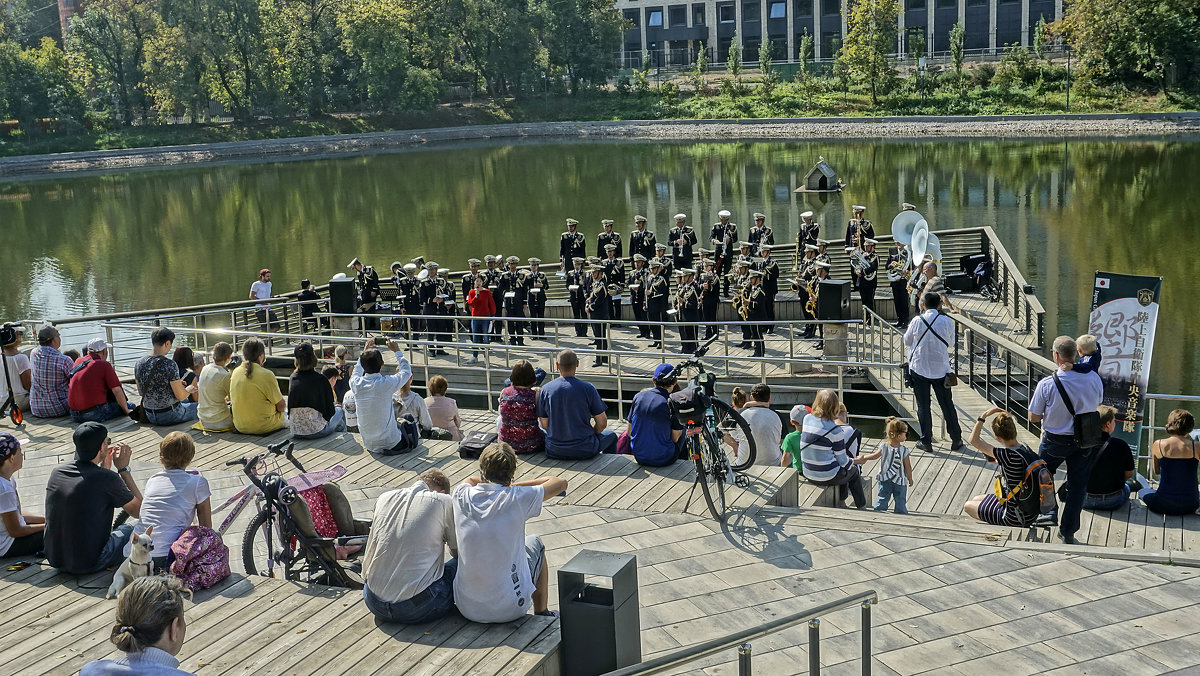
[681, 217]
[410, 266]
[823, 264]
[758, 216]
[870, 241]
[810, 247]
[858, 207]
[97, 345]
[572, 221]
[907, 207]
[807, 214]
[723, 214]
[822, 242]
[798, 413]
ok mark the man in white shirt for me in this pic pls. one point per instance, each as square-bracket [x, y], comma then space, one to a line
[502, 573]
[373, 399]
[1047, 406]
[407, 578]
[765, 427]
[928, 339]
[261, 290]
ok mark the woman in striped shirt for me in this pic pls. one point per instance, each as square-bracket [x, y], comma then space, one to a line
[824, 450]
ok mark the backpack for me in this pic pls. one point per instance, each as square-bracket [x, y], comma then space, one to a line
[1034, 495]
[201, 558]
[474, 442]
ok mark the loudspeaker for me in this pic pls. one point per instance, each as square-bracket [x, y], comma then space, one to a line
[960, 281]
[833, 300]
[343, 298]
[970, 261]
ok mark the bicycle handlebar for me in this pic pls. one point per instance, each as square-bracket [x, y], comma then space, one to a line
[248, 464]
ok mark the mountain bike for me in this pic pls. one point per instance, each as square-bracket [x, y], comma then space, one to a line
[710, 425]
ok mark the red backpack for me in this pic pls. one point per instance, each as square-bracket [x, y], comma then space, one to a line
[201, 558]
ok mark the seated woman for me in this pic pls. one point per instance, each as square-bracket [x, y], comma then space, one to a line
[410, 404]
[185, 359]
[174, 497]
[1175, 460]
[149, 629]
[20, 373]
[312, 411]
[823, 452]
[22, 532]
[443, 410]
[518, 411]
[1014, 458]
[254, 395]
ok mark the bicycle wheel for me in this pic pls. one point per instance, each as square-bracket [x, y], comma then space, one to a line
[728, 422]
[255, 552]
[712, 481]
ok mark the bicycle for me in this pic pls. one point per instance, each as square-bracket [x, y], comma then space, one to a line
[281, 533]
[709, 422]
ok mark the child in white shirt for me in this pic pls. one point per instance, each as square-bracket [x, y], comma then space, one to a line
[895, 467]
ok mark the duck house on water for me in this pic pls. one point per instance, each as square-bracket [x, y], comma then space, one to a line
[821, 178]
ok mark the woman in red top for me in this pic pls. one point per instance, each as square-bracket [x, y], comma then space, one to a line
[482, 306]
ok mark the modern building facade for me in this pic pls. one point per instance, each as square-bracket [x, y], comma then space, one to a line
[672, 32]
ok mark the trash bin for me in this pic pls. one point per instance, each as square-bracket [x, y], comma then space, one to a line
[601, 626]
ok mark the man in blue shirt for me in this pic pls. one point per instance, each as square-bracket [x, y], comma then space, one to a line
[654, 434]
[573, 415]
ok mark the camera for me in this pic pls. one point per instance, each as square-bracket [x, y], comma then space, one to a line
[9, 332]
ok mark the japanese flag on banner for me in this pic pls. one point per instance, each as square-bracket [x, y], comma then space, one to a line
[1102, 282]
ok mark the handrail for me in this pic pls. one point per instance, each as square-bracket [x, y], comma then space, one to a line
[183, 311]
[1012, 288]
[864, 599]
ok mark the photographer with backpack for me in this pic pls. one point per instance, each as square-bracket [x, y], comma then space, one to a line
[1019, 496]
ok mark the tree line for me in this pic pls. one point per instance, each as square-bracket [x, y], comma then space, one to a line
[123, 61]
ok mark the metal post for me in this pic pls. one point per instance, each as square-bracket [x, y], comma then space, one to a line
[620, 390]
[814, 647]
[866, 637]
[744, 668]
[487, 372]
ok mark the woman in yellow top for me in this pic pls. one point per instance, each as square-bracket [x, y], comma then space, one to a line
[254, 394]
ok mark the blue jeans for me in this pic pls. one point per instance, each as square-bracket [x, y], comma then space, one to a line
[608, 441]
[101, 413]
[892, 489]
[184, 411]
[435, 602]
[114, 550]
[1109, 503]
[335, 424]
[1056, 449]
[479, 334]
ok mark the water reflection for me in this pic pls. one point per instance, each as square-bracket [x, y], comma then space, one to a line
[79, 245]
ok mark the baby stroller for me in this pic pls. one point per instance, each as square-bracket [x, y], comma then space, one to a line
[284, 535]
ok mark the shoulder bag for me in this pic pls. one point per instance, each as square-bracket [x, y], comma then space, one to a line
[951, 378]
[1087, 424]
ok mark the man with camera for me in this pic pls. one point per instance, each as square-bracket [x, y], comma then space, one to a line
[655, 436]
[928, 340]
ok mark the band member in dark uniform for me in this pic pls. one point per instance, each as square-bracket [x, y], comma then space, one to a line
[608, 237]
[820, 274]
[468, 280]
[687, 309]
[740, 286]
[899, 286]
[571, 244]
[614, 276]
[577, 283]
[810, 230]
[536, 284]
[668, 265]
[756, 302]
[744, 255]
[761, 234]
[597, 306]
[710, 298]
[492, 277]
[866, 280]
[823, 251]
[859, 229]
[641, 240]
[804, 275]
[433, 307]
[724, 238]
[408, 298]
[637, 293]
[682, 238]
[512, 290]
[658, 293]
[770, 284]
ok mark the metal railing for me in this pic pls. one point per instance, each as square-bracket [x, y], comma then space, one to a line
[1025, 307]
[742, 640]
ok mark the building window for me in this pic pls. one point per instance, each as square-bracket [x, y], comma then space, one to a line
[725, 14]
[947, 4]
[778, 10]
[655, 19]
[678, 16]
[831, 6]
[697, 15]
[977, 3]
[751, 11]
[804, 7]
[915, 4]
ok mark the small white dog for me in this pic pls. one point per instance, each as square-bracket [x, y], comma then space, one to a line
[139, 563]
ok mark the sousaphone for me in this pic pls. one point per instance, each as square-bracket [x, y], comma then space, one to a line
[903, 226]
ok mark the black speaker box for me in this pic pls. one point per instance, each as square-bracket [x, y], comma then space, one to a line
[343, 297]
[960, 281]
[967, 263]
[833, 300]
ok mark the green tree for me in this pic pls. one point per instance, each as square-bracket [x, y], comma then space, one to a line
[1039, 37]
[302, 40]
[26, 22]
[871, 38]
[764, 66]
[174, 73]
[376, 34]
[699, 73]
[734, 60]
[35, 84]
[582, 36]
[958, 40]
[109, 39]
[916, 44]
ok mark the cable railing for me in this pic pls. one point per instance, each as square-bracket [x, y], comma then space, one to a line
[865, 600]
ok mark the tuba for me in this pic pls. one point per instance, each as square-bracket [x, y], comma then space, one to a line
[858, 262]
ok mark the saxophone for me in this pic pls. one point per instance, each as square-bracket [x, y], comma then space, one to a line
[811, 305]
[740, 304]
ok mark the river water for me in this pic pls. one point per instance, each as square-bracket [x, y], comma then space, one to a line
[84, 244]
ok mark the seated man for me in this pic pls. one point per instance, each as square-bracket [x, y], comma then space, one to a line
[80, 498]
[501, 571]
[655, 436]
[373, 399]
[95, 392]
[1108, 487]
[765, 427]
[406, 576]
[573, 415]
[213, 391]
[51, 371]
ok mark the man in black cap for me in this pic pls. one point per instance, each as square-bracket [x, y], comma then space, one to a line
[310, 303]
[80, 498]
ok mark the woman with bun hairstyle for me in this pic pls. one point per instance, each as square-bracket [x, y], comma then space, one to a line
[149, 629]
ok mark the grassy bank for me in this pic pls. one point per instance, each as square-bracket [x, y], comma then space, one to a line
[675, 98]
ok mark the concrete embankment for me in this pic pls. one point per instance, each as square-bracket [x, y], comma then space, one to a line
[1014, 127]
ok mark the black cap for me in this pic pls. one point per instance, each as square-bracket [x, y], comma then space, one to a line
[89, 440]
[304, 284]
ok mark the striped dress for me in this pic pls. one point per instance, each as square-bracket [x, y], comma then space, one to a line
[824, 448]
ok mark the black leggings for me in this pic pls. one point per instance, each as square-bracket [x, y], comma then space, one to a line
[27, 545]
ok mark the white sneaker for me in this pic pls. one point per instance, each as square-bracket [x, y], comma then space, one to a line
[470, 360]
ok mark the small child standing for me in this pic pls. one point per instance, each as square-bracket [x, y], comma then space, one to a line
[895, 467]
[342, 386]
[792, 445]
[1089, 354]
